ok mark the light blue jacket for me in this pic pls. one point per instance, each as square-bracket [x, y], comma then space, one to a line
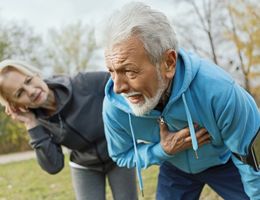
[203, 93]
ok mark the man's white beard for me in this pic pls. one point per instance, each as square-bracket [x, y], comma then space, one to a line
[145, 107]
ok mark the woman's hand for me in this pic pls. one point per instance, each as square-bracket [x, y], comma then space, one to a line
[22, 115]
[174, 142]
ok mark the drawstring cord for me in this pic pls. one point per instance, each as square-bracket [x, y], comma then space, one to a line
[61, 124]
[138, 168]
[191, 127]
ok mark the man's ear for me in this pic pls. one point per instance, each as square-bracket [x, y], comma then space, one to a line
[169, 63]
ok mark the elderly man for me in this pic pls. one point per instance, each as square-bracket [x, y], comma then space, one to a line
[153, 80]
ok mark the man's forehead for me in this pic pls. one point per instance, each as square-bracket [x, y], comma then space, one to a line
[129, 45]
[126, 51]
[116, 62]
[115, 56]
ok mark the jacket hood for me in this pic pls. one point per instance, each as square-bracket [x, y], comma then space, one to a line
[62, 87]
[186, 70]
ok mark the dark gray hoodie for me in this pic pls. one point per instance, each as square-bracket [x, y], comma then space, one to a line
[77, 124]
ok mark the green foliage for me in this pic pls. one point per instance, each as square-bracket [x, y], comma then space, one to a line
[230, 33]
[245, 20]
[13, 136]
[38, 185]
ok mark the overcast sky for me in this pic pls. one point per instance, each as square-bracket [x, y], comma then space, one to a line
[45, 14]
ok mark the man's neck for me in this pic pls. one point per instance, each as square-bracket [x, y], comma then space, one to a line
[165, 97]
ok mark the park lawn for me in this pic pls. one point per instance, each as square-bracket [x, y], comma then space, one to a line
[26, 181]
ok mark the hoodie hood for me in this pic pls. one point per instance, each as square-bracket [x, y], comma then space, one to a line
[62, 88]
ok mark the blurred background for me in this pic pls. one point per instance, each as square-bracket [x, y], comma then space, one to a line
[65, 36]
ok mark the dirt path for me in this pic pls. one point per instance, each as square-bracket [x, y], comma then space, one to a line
[21, 156]
[16, 157]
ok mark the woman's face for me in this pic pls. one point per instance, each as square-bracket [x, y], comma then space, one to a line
[23, 90]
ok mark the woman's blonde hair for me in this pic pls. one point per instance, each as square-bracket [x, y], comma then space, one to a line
[8, 65]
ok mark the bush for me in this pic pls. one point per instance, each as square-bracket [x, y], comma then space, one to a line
[13, 135]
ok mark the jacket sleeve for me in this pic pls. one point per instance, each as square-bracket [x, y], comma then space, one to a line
[120, 142]
[49, 155]
[239, 119]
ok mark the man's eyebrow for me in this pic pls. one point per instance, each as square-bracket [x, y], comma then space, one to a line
[123, 66]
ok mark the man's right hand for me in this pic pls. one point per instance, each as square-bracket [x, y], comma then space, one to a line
[174, 142]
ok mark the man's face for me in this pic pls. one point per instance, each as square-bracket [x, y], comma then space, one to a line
[134, 76]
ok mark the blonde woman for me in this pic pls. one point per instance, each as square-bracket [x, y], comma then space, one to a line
[66, 111]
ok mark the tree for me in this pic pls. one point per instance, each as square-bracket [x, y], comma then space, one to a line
[245, 32]
[199, 25]
[211, 29]
[71, 48]
[19, 42]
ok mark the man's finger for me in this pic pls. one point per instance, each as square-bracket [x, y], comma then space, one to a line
[200, 132]
[187, 139]
[204, 137]
[203, 142]
[185, 132]
[195, 126]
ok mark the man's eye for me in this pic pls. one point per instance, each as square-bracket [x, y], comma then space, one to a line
[131, 74]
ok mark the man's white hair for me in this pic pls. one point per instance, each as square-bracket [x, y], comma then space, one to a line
[20, 66]
[150, 26]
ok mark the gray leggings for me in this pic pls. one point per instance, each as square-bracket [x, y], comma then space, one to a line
[91, 185]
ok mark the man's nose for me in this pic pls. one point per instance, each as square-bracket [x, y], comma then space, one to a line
[120, 84]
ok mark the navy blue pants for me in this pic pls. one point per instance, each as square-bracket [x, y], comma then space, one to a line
[174, 184]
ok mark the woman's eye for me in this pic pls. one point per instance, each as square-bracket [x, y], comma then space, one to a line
[28, 80]
[20, 92]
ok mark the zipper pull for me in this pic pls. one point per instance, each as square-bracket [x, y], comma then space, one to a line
[161, 120]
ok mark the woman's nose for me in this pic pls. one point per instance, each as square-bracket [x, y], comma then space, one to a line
[29, 90]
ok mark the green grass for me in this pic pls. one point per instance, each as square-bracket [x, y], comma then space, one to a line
[27, 181]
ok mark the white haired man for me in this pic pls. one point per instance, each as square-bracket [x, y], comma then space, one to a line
[152, 79]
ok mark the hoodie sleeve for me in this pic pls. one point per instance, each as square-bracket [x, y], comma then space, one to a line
[49, 155]
[120, 143]
[239, 120]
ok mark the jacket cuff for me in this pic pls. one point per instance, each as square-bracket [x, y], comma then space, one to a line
[37, 133]
[160, 153]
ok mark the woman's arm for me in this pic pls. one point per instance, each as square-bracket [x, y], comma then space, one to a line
[49, 154]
